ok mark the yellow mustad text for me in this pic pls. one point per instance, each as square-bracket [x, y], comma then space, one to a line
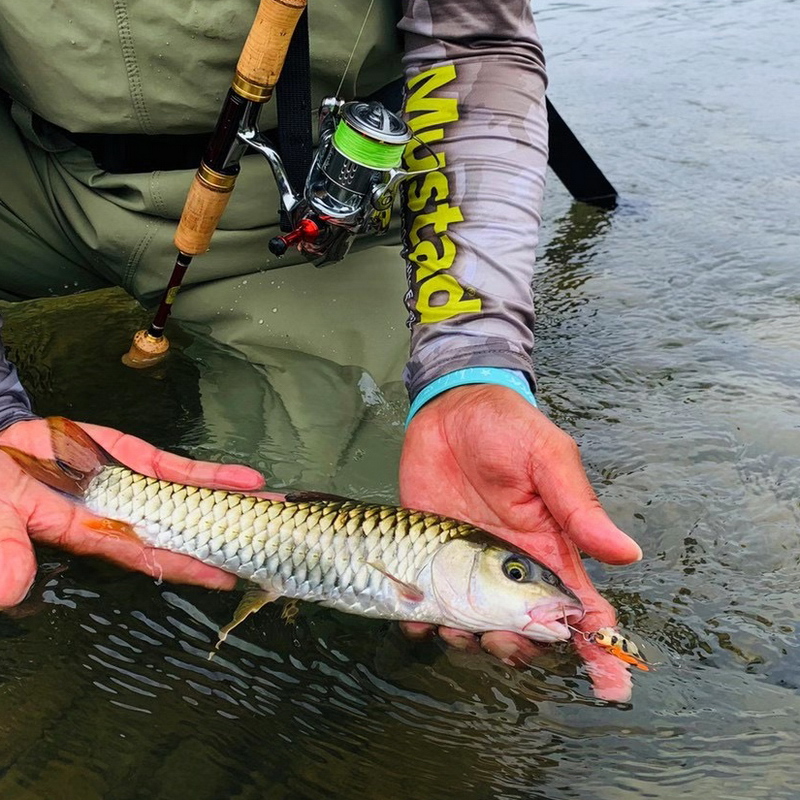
[429, 201]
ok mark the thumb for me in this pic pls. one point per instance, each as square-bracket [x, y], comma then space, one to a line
[562, 484]
[17, 561]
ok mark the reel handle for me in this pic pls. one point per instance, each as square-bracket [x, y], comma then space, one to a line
[257, 73]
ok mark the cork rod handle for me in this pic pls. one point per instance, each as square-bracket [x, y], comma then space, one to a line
[264, 52]
[202, 211]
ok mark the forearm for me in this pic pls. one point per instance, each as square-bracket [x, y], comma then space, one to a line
[14, 402]
[475, 95]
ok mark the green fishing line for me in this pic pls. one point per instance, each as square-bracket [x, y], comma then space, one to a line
[366, 151]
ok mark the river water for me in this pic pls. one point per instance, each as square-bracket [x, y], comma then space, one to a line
[668, 336]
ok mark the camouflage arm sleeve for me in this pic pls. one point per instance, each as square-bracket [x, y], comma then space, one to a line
[14, 403]
[475, 82]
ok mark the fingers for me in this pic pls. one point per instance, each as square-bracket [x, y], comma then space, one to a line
[561, 482]
[511, 648]
[143, 457]
[610, 677]
[170, 467]
[418, 631]
[16, 557]
[175, 567]
[457, 639]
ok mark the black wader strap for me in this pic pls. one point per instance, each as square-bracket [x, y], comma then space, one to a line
[293, 96]
[575, 168]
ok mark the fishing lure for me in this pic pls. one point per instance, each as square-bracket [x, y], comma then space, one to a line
[617, 645]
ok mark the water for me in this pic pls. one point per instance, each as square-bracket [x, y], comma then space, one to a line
[667, 344]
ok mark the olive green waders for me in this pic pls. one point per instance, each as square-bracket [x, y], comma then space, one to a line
[325, 337]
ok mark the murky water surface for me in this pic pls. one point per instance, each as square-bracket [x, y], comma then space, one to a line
[667, 344]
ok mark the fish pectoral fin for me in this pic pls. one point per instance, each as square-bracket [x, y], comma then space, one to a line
[253, 600]
[115, 528]
[406, 590]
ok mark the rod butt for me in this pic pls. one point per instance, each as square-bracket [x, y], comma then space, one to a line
[146, 350]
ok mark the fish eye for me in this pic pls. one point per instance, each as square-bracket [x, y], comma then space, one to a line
[515, 569]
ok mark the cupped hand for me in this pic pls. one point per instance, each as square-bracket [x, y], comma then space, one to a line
[483, 454]
[31, 511]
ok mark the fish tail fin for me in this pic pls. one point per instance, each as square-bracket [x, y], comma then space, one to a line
[73, 446]
[45, 470]
[78, 458]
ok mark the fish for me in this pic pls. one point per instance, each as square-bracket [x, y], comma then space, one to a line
[362, 558]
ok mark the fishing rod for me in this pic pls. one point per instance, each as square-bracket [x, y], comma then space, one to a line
[257, 72]
[349, 188]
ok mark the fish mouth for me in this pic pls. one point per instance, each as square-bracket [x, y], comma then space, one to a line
[551, 622]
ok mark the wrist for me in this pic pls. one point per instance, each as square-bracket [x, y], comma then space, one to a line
[508, 378]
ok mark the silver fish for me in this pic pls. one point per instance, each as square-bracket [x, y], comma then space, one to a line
[361, 558]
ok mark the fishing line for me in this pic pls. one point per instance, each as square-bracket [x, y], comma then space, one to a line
[355, 46]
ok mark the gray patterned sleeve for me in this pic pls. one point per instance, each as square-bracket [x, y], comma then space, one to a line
[475, 83]
[14, 403]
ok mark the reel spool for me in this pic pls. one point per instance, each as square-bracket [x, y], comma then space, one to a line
[352, 181]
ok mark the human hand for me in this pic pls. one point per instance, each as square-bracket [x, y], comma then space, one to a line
[31, 511]
[483, 454]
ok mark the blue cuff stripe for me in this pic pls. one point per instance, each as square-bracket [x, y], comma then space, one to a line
[510, 378]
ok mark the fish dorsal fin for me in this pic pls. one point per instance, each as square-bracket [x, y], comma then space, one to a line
[307, 497]
[406, 590]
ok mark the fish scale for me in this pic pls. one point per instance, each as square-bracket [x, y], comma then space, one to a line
[329, 551]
